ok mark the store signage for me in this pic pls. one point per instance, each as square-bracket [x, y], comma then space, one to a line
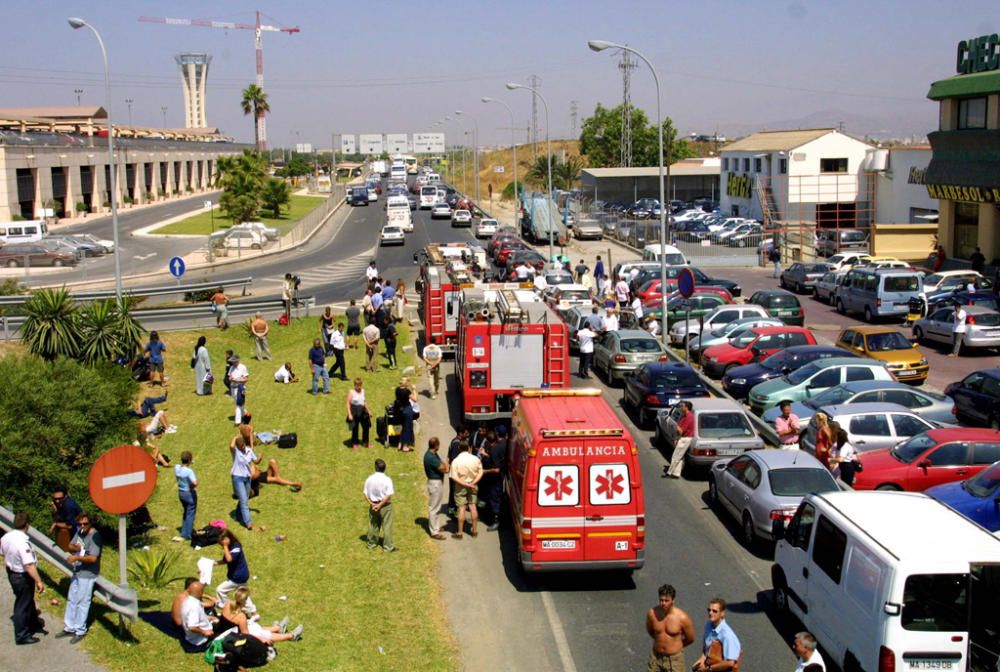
[978, 54]
[738, 186]
[917, 175]
[952, 192]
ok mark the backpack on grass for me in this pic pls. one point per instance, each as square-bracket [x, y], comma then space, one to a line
[206, 536]
[245, 650]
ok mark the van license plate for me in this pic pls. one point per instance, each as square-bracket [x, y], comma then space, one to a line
[906, 373]
[558, 543]
[930, 664]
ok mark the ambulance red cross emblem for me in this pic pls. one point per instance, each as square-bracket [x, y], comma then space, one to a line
[610, 484]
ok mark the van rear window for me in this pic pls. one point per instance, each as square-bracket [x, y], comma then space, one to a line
[936, 603]
[901, 283]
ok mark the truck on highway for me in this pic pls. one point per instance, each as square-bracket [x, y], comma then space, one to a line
[399, 215]
[381, 167]
[508, 340]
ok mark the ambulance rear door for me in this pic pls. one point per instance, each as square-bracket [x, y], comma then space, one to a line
[557, 516]
[612, 501]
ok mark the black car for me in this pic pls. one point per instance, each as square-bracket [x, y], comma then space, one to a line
[738, 381]
[780, 304]
[529, 257]
[656, 386]
[452, 200]
[977, 398]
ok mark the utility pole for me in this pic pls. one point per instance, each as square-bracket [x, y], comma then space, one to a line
[78, 92]
[627, 65]
[533, 83]
[164, 110]
[572, 118]
[129, 101]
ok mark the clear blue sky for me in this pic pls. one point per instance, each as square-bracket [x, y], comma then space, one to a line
[400, 66]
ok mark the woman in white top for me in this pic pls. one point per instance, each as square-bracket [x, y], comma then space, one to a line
[844, 459]
[959, 329]
[358, 414]
[243, 457]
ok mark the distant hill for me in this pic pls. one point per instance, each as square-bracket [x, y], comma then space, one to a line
[919, 122]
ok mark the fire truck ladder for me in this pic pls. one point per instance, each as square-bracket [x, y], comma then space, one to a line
[510, 307]
[558, 375]
[434, 313]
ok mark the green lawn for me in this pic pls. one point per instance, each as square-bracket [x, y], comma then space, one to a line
[201, 224]
[362, 610]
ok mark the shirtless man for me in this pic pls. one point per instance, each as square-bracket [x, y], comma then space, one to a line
[671, 629]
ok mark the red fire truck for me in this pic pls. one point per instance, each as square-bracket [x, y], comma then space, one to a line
[508, 340]
[444, 270]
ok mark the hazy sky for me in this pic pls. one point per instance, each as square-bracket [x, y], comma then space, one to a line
[394, 67]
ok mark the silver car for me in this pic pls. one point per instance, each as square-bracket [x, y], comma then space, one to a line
[982, 327]
[618, 352]
[683, 330]
[721, 429]
[869, 426]
[723, 333]
[825, 289]
[928, 405]
[762, 485]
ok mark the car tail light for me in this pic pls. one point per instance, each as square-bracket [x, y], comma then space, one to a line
[652, 400]
[663, 358]
[970, 319]
[526, 541]
[878, 303]
[640, 531]
[886, 659]
[703, 452]
[782, 514]
[954, 410]
[619, 359]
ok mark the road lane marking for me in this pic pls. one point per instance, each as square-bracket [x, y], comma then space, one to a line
[121, 480]
[555, 624]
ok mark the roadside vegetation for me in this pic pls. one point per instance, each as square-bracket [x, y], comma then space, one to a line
[205, 223]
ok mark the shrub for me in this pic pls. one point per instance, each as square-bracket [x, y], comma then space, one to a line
[150, 568]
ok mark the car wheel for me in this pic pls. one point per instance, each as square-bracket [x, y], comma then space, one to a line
[749, 534]
[255, 246]
[713, 492]
[868, 315]
[658, 436]
[781, 282]
[918, 334]
[57, 263]
[12, 263]
[833, 299]
[799, 289]
[840, 307]
[890, 487]
[816, 293]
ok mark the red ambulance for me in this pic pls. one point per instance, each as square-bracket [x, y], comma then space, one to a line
[574, 484]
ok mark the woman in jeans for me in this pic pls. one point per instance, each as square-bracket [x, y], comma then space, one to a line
[243, 457]
[358, 414]
[186, 492]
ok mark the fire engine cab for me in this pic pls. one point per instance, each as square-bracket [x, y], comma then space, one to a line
[508, 340]
[574, 484]
[444, 270]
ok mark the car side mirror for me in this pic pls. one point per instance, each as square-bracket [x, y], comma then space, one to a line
[786, 369]
[923, 464]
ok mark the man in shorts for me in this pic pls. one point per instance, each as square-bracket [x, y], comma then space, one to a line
[465, 473]
[353, 324]
[672, 630]
[432, 357]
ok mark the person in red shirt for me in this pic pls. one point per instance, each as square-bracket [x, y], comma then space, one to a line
[685, 427]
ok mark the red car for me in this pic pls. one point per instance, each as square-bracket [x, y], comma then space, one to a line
[507, 248]
[755, 345]
[497, 240]
[937, 456]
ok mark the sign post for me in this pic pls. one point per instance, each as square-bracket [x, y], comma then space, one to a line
[685, 283]
[177, 267]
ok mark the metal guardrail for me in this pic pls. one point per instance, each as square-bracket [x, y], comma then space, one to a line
[163, 290]
[9, 324]
[121, 599]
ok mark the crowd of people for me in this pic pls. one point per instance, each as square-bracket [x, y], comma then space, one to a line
[833, 447]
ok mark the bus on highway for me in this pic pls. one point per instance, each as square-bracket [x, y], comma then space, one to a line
[411, 164]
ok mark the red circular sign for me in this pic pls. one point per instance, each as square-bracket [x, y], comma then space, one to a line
[122, 479]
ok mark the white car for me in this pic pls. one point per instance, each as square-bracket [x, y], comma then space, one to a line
[242, 239]
[108, 245]
[392, 235]
[372, 194]
[441, 211]
[943, 281]
[564, 297]
[268, 232]
[461, 218]
[844, 261]
[485, 228]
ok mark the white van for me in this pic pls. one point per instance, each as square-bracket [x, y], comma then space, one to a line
[891, 581]
[428, 196]
[23, 232]
[674, 257]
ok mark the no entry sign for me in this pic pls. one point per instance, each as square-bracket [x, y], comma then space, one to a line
[122, 479]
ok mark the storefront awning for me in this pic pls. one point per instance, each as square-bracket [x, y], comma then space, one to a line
[977, 84]
[969, 158]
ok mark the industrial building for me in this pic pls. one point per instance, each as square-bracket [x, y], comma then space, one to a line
[689, 179]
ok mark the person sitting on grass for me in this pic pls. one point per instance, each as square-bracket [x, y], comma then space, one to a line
[198, 627]
[142, 440]
[234, 615]
[285, 375]
[176, 608]
[272, 476]
[147, 408]
[158, 424]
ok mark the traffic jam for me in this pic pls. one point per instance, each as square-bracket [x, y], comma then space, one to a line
[877, 496]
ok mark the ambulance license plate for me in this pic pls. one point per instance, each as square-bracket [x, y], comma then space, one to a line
[558, 543]
[930, 664]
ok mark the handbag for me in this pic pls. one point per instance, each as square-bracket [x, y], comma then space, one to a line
[289, 440]
[194, 360]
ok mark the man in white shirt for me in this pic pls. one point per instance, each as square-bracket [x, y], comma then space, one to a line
[959, 329]
[285, 375]
[378, 494]
[371, 273]
[585, 337]
[633, 274]
[637, 309]
[22, 572]
[372, 334]
[622, 292]
[611, 320]
[197, 627]
[541, 284]
[522, 271]
[238, 377]
[805, 648]
[338, 343]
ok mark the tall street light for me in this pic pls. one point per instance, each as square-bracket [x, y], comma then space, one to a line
[664, 172]
[475, 145]
[164, 110]
[548, 150]
[513, 144]
[77, 23]
[78, 92]
[129, 101]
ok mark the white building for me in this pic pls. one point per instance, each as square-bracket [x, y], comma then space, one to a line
[901, 189]
[194, 78]
[800, 178]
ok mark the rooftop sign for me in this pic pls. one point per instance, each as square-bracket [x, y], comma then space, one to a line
[978, 54]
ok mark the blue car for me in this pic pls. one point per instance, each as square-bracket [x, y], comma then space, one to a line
[975, 498]
[738, 381]
[655, 386]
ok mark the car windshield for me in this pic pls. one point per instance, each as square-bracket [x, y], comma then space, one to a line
[800, 481]
[892, 340]
[574, 295]
[673, 379]
[985, 484]
[803, 373]
[674, 259]
[831, 397]
[776, 361]
[391, 229]
[986, 319]
[639, 345]
[723, 424]
[837, 258]
[902, 283]
[743, 338]
[913, 448]
[782, 301]
[816, 268]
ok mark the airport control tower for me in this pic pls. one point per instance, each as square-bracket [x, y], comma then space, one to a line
[194, 75]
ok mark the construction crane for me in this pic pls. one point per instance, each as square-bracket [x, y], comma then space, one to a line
[258, 28]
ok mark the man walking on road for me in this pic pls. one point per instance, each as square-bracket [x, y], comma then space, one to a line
[260, 330]
[432, 357]
[317, 361]
[722, 649]
[85, 549]
[672, 630]
[338, 345]
[434, 469]
[371, 334]
[22, 573]
[465, 474]
[685, 425]
[585, 337]
[378, 493]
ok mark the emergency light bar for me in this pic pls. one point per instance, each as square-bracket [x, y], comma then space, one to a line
[547, 433]
[578, 392]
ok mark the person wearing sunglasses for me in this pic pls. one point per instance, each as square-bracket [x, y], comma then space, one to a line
[85, 551]
[722, 649]
[64, 512]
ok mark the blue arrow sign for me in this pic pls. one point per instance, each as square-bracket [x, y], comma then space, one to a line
[176, 266]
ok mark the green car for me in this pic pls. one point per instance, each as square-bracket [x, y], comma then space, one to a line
[701, 304]
[813, 378]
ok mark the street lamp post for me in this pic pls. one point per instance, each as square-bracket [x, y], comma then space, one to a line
[475, 156]
[129, 101]
[513, 144]
[78, 92]
[164, 110]
[664, 174]
[77, 23]
[548, 150]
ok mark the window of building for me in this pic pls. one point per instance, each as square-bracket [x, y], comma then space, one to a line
[972, 113]
[725, 164]
[833, 165]
[746, 165]
[783, 166]
[756, 165]
[966, 229]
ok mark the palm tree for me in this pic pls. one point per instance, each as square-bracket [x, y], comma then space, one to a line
[52, 325]
[109, 331]
[276, 194]
[255, 102]
[568, 171]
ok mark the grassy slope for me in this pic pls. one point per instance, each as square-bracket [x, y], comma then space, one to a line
[361, 600]
[201, 224]
[505, 158]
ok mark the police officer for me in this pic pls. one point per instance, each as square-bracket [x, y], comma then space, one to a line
[22, 572]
